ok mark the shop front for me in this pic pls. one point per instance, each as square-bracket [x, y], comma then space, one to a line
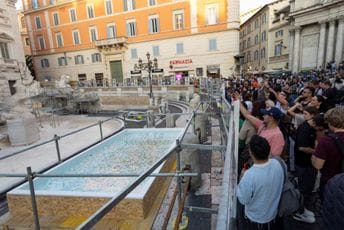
[213, 71]
[181, 70]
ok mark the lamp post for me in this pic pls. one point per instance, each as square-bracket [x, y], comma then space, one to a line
[149, 66]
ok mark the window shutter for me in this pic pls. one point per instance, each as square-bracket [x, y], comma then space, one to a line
[128, 29]
[114, 31]
[150, 26]
[134, 29]
[134, 7]
[125, 4]
[158, 25]
[76, 60]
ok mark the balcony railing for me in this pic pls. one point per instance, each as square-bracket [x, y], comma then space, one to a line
[111, 41]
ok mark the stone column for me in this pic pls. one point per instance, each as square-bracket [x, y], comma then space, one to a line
[291, 48]
[322, 39]
[330, 42]
[340, 38]
[297, 49]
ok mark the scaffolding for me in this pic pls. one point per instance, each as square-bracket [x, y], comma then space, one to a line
[213, 99]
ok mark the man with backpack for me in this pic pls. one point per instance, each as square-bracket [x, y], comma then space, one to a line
[328, 156]
[260, 188]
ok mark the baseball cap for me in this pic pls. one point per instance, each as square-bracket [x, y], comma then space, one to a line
[275, 112]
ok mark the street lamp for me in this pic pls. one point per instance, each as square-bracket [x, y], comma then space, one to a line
[149, 66]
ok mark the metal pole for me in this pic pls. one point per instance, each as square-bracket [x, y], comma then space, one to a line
[56, 138]
[33, 197]
[178, 150]
[150, 81]
[101, 130]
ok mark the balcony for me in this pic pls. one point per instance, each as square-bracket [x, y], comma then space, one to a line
[111, 43]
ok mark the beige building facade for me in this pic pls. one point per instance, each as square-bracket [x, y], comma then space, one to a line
[23, 33]
[12, 61]
[316, 33]
[263, 39]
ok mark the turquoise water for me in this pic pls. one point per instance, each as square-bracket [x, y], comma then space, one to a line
[130, 151]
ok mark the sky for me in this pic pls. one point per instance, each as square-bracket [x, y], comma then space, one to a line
[245, 5]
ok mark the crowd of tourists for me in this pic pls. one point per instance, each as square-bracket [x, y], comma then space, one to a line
[299, 118]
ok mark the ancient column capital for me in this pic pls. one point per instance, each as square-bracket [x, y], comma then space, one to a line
[341, 19]
[323, 22]
[332, 22]
[297, 29]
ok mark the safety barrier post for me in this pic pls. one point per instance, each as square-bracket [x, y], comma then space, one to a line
[178, 150]
[30, 177]
[101, 130]
[57, 138]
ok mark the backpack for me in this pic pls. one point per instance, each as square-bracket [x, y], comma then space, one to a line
[340, 145]
[291, 198]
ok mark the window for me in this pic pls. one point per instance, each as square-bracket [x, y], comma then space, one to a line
[262, 53]
[263, 18]
[96, 57]
[72, 15]
[212, 44]
[34, 4]
[249, 28]
[27, 41]
[278, 50]
[62, 61]
[41, 42]
[131, 28]
[129, 5]
[5, 54]
[180, 48]
[199, 72]
[279, 33]
[76, 38]
[59, 40]
[79, 59]
[151, 2]
[93, 34]
[90, 11]
[256, 55]
[178, 20]
[211, 12]
[256, 39]
[256, 24]
[56, 19]
[82, 77]
[38, 22]
[248, 56]
[248, 42]
[133, 53]
[111, 31]
[156, 51]
[52, 2]
[264, 36]
[108, 6]
[45, 63]
[153, 24]
[22, 21]
[244, 44]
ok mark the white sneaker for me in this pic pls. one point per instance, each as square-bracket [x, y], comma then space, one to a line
[308, 212]
[304, 218]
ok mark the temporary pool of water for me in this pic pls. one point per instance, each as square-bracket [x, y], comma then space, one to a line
[130, 151]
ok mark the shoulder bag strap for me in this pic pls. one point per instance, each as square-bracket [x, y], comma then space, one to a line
[284, 167]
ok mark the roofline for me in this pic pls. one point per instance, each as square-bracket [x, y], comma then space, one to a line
[266, 5]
